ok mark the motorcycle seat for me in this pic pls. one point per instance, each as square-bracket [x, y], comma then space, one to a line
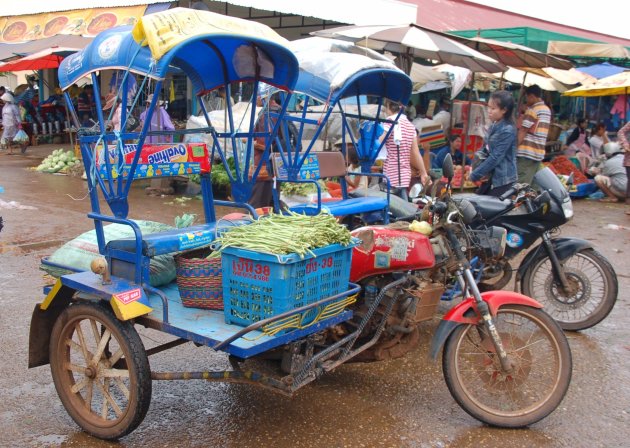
[487, 206]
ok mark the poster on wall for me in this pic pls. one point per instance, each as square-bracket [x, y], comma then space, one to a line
[85, 22]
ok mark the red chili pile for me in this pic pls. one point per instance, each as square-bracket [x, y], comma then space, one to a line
[562, 165]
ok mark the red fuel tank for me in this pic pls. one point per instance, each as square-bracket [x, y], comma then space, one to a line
[387, 250]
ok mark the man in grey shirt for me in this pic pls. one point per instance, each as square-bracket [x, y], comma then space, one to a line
[612, 180]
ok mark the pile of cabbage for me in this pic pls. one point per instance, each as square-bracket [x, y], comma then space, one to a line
[59, 160]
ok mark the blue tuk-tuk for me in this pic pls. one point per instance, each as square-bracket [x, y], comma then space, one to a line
[84, 328]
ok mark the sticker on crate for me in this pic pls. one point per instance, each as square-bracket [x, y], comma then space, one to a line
[190, 240]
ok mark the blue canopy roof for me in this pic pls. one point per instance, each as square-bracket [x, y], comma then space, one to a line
[388, 83]
[210, 60]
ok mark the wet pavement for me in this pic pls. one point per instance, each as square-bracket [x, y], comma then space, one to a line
[400, 403]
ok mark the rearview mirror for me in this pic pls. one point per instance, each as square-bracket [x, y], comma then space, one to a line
[415, 191]
[447, 168]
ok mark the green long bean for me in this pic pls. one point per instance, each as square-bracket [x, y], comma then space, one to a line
[285, 234]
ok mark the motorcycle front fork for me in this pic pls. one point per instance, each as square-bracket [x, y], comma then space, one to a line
[468, 284]
[557, 267]
[466, 280]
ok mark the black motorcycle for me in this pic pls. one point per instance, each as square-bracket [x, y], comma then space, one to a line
[576, 284]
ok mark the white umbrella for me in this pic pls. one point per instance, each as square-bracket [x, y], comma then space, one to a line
[459, 76]
[431, 86]
[526, 79]
[412, 41]
[421, 75]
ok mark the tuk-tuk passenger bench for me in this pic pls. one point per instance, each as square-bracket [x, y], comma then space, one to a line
[333, 164]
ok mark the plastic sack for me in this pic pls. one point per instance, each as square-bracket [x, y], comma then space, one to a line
[21, 137]
[79, 252]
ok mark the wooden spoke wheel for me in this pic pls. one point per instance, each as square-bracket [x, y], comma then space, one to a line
[100, 369]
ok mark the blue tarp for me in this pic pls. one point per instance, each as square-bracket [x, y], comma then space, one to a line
[210, 60]
[392, 84]
[600, 71]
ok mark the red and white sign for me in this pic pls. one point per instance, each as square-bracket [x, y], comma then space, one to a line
[129, 296]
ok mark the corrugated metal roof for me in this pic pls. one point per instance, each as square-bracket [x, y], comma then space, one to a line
[452, 15]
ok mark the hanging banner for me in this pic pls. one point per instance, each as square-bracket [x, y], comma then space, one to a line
[164, 30]
[86, 22]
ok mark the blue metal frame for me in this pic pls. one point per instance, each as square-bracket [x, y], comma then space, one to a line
[115, 188]
[379, 82]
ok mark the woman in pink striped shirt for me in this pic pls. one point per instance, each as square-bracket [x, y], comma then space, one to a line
[402, 152]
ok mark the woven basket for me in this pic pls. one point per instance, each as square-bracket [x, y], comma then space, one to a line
[199, 280]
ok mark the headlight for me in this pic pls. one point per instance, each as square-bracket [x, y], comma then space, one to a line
[491, 241]
[567, 208]
[499, 238]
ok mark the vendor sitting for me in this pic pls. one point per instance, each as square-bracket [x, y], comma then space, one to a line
[612, 179]
[454, 148]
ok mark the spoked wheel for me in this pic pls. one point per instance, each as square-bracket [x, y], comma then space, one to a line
[592, 290]
[100, 369]
[541, 359]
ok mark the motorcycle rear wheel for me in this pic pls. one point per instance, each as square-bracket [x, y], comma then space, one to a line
[542, 363]
[595, 289]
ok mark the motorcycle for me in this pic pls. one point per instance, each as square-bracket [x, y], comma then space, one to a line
[576, 284]
[506, 362]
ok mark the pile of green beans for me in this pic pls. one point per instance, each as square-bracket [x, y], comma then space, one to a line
[285, 234]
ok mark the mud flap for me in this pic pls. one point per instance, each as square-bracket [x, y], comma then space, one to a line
[42, 323]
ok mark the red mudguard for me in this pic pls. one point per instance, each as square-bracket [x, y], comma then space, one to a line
[465, 313]
[494, 299]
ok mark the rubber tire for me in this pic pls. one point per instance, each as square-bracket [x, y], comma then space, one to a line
[460, 396]
[137, 364]
[604, 308]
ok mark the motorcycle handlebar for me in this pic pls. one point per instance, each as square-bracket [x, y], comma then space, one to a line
[508, 193]
[438, 207]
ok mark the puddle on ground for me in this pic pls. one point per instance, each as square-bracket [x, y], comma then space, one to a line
[28, 247]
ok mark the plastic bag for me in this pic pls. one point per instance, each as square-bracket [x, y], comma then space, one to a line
[79, 252]
[21, 137]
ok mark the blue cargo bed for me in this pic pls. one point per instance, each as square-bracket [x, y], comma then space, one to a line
[208, 327]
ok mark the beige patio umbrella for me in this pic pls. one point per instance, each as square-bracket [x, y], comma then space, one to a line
[412, 41]
[569, 77]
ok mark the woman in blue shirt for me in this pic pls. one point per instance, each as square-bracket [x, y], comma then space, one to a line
[499, 164]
